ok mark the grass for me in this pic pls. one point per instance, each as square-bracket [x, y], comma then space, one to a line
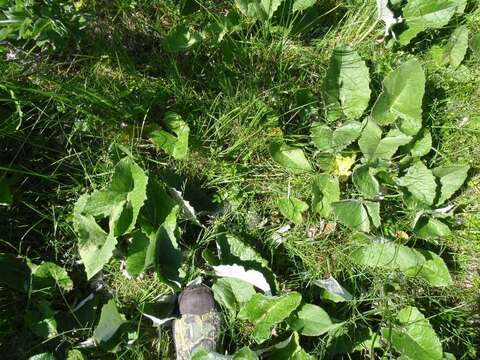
[86, 107]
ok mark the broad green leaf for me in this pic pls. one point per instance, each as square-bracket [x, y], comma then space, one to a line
[431, 229]
[420, 182]
[174, 145]
[95, 246]
[434, 271]
[233, 250]
[346, 87]
[232, 293]
[456, 48]
[258, 9]
[475, 45]
[421, 15]
[290, 157]
[335, 141]
[265, 312]
[387, 255]
[414, 337]
[356, 214]
[322, 136]
[461, 5]
[352, 213]
[123, 198]
[110, 321]
[451, 179]
[373, 210]
[374, 147]
[158, 205]
[346, 134]
[168, 254]
[41, 320]
[292, 208]
[181, 38]
[14, 273]
[5, 194]
[49, 275]
[422, 145]
[300, 5]
[312, 320]
[401, 98]
[289, 349]
[365, 181]
[141, 253]
[326, 190]
[332, 290]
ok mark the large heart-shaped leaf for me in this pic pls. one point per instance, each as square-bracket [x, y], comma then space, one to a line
[259, 9]
[110, 321]
[265, 312]
[312, 320]
[401, 98]
[434, 271]
[422, 144]
[420, 182]
[365, 181]
[374, 147]
[387, 255]
[421, 15]
[431, 228]
[336, 140]
[141, 253]
[95, 246]
[49, 275]
[346, 86]
[414, 337]
[174, 145]
[123, 198]
[356, 214]
[290, 157]
[451, 178]
[456, 48]
[292, 208]
[232, 293]
[326, 190]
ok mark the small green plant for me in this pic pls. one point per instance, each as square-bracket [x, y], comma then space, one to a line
[46, 25]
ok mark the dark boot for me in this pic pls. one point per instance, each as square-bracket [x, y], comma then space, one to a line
[199, 324]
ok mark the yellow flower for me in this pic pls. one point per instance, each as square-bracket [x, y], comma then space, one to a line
[342, 166]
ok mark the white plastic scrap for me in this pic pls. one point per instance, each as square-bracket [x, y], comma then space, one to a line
[253, 277]
[332, 286]
[388, 17]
